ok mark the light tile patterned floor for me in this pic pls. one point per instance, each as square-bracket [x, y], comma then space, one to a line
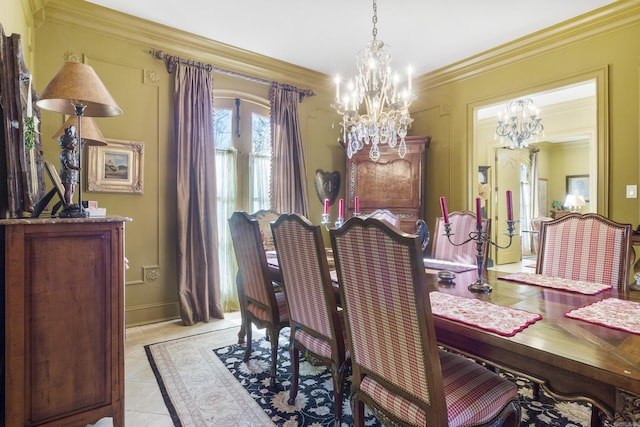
[143, 402]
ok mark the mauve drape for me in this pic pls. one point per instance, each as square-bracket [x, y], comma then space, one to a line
[197, 248]
[288, 171]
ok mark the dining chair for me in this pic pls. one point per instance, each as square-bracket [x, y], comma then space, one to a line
[462, 224]
[386, 215]
[317, 329]
[259, 303]
[399, 372]
[588, 247]
[265, 217]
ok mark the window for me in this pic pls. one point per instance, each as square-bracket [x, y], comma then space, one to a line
[242, 135]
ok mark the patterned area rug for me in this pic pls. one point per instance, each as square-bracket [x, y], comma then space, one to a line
[205, 384]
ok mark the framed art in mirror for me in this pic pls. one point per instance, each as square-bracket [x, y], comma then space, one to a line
[116, 167]
[578, 185]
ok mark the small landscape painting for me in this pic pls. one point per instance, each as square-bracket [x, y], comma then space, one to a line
[116, 166]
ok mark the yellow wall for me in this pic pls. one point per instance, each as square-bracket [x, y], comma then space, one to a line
[528, 66]
[117, 47]
[16, 18]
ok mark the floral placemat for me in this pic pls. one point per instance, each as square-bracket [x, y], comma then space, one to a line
[502, 320]
[579, 286]
[611, 312]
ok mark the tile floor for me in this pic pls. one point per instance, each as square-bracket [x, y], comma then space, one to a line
[143, 402]
[144, 405]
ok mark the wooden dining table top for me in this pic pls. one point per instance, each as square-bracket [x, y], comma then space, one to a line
[570, 358]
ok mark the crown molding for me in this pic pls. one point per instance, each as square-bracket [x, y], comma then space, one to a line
[92, 18]
[618, 15]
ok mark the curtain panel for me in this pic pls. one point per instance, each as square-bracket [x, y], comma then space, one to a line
[288, 170]
[197, 246]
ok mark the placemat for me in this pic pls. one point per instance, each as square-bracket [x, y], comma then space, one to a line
[502, 320]
[612, 313]
[456, 267]
[579, 286]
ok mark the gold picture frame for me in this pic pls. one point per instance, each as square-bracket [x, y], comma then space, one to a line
[116, 167]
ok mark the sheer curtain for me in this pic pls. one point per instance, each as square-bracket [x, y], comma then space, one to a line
[288, 171]
[197, 245]
[226, 161]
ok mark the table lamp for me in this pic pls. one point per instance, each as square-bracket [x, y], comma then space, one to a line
[78, 91]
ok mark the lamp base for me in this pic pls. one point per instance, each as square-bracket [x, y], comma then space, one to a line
[73, 211]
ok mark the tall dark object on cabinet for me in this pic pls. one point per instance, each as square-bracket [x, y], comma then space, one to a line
[63, 288]
[21, 158]
[392, 182]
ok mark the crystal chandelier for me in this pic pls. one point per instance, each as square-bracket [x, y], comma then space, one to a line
[387, 108]
[518, 123]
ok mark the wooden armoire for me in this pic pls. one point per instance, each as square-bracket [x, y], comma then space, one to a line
[392, 183]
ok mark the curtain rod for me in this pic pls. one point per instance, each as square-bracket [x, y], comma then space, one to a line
[171, 61]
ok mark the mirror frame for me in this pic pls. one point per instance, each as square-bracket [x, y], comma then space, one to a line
[601, 77]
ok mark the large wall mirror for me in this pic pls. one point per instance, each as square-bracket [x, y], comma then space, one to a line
[563, 169]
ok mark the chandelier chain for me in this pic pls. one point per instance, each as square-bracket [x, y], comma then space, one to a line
[375, 19]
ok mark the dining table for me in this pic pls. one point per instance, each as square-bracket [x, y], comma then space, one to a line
[570, 358]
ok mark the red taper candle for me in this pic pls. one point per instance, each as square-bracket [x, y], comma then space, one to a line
[509, 206]
[326, 206]
[443, 207]
[341, 209]
[478, 212]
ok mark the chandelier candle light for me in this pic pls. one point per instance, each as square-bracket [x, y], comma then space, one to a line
[480, 237]
[387, 106]
[519, 123]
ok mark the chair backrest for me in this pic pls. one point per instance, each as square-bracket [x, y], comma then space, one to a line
[387, 215]
[307, 283]
[462, 224]
[388, 317]
[588, 247]
[535, 229]
[265, 217]
[256, 286]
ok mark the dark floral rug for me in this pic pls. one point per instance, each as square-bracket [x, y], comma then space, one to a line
[314, 407]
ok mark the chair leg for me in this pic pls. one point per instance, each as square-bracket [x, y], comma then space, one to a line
[274, 354]
[338, 393]
[357, 407]
[595, 417]
[247, 352]
[295, 371]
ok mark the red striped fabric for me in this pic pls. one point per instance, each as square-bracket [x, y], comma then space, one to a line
[461, 227]
[583, 249]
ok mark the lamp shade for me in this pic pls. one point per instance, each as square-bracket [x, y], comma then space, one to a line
[91, 134]
[78, 84]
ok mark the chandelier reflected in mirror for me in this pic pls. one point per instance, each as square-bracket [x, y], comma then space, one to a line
[376, 86]
[519, 123]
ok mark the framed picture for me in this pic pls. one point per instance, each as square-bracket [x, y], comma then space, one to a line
[543, 201]
[578, 185]
[116, 167]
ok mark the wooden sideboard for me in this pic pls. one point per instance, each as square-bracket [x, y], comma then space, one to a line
[63, 309]
[392, 182]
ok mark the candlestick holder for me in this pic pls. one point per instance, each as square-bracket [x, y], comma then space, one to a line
[480, 237]
[326, 220]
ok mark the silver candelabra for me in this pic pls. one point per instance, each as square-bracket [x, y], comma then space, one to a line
[480, 237]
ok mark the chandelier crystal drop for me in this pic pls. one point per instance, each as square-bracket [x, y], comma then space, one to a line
[387, 116]
[519, 123]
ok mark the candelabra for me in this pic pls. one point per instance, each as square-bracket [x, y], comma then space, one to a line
[481, 238]
[326, 220]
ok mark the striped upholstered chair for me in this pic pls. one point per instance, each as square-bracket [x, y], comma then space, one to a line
[399, 372]
[588, 247]
[462, 223]
[259, 303]
[317, 328]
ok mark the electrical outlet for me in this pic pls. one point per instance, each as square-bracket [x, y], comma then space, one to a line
[632, 191]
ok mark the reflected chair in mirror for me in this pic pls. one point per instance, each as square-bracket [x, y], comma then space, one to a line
[399, 372]
[587, 247]
[386, 215]
[317, 329]
[259, 303]
[462, 224]
[535, 231]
